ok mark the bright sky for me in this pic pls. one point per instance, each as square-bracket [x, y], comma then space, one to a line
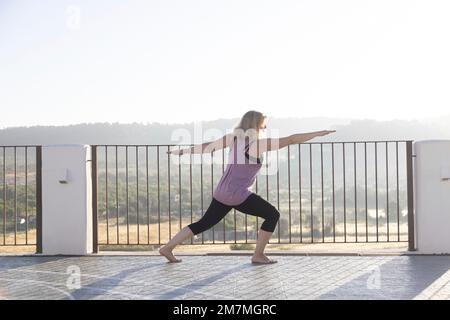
[64, 62]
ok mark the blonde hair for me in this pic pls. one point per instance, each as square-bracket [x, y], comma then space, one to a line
[249, 125]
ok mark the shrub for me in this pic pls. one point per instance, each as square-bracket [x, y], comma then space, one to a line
[242, 246]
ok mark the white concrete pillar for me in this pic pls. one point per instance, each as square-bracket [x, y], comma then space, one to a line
[432, 196]
[66, 200]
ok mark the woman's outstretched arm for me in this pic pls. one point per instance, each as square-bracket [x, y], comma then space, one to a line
[269, 144]
[206, 147]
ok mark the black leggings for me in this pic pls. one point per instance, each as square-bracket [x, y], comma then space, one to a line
[253, 205]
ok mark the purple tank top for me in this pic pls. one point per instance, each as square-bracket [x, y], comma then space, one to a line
[236, 183]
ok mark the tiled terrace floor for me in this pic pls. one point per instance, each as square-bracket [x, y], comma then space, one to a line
[225, 277]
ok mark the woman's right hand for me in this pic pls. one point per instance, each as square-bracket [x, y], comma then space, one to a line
[324, 132]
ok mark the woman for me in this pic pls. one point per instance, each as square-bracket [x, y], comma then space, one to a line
[234, 188]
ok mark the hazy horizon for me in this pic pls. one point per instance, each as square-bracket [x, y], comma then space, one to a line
[340, 120]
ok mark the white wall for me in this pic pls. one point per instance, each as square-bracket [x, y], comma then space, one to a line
[66, 207]
[432, 195]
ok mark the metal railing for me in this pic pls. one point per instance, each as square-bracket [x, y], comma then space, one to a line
[20, 196]
[326, 192]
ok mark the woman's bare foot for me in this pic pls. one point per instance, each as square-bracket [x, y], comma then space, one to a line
[262, 259]
[168, 254]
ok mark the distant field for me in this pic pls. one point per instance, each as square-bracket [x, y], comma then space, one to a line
[154, 236]
[20, 239]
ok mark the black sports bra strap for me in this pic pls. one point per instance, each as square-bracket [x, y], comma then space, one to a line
[258, 160]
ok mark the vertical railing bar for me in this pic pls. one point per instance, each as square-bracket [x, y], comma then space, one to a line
[321, 178]
[289, 192]
[15, 195]
[179, 185]
[311, 192]
[39, 200]
[148, 194]
[267, 184]
[410, 188]
[300, 190]
[235, 226]
[334, 200]
[376, 188]
[126, 184]
[398, 204]
[94, 178]
[257, 223]
[201, 191]
[365, 190]
[106, 195]
[26, 195]
[345, 197]
[224, 219]
[356, 208]
[212, 190]
[137, 195]
[4, 195]
[168, 187]
[387, 191]
[159, 199]
[190, 188]
[18, 208]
